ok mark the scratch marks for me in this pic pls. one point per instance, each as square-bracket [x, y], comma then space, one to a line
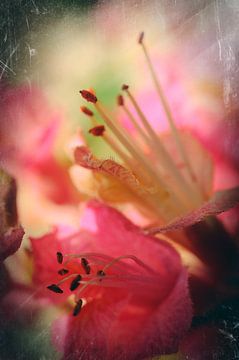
[4, 65]
[35, 7]
[218, 30]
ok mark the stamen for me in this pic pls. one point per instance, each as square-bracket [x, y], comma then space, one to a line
[92, 281]
[163, 154]
[77, 307]
[75, 283]
[120, 100]
[117, 148]
[125, 278]
[55, 288]
[63, 271]
[167, 110]
[141, 37]
[132, 257]
[85, 265]
[66, 278]
[59, 257]
[162, 189]
[97, 130]
[108, 139]
[137, 154]
[88, 96]
[100, 273]
[86, 111]
[98, 259]
[134, 122]
[124, 87]
[122, 275]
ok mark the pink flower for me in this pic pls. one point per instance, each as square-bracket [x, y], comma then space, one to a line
[28, 128]
[166, 175]
[163, 169]
[133, 287]
[28, 132]
[130, 288]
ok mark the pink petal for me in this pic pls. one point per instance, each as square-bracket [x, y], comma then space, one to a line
[119, 321]
[44, 249]
[28, 126]
[103, 230]
[117, 329]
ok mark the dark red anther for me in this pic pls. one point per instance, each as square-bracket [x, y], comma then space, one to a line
[77, 308]
[56, 289]
[141, 37]
[59, 257]
[63, 271]
[75, 283]
[88, 96]
[85, 265]
[120, 100]
[100, 273]
[97, 130]
[125, 87]
[86, 111]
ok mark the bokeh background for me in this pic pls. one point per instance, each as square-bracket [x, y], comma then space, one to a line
[62, 46]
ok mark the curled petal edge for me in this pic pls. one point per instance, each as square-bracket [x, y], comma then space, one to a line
[221, 201]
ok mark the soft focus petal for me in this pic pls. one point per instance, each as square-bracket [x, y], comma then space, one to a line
[28, 126]
[28, 132]
[110, 324]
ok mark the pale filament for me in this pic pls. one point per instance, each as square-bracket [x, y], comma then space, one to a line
[113, 144]
[164, 157]
[141, 159]
[109, 260]
[124, 274]
[132, 257]
[168, 112]
[168, 198]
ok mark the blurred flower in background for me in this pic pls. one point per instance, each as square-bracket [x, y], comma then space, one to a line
[43, 132]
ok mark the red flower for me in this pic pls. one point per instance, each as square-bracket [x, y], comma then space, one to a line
[134, 288]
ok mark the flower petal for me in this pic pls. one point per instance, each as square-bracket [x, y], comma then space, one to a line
[220, 202]
[130, 322]
[115, 329]
[30, 130]
[86, 159]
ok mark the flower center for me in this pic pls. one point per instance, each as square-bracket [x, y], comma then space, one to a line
[172, 190]
[87, 273]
